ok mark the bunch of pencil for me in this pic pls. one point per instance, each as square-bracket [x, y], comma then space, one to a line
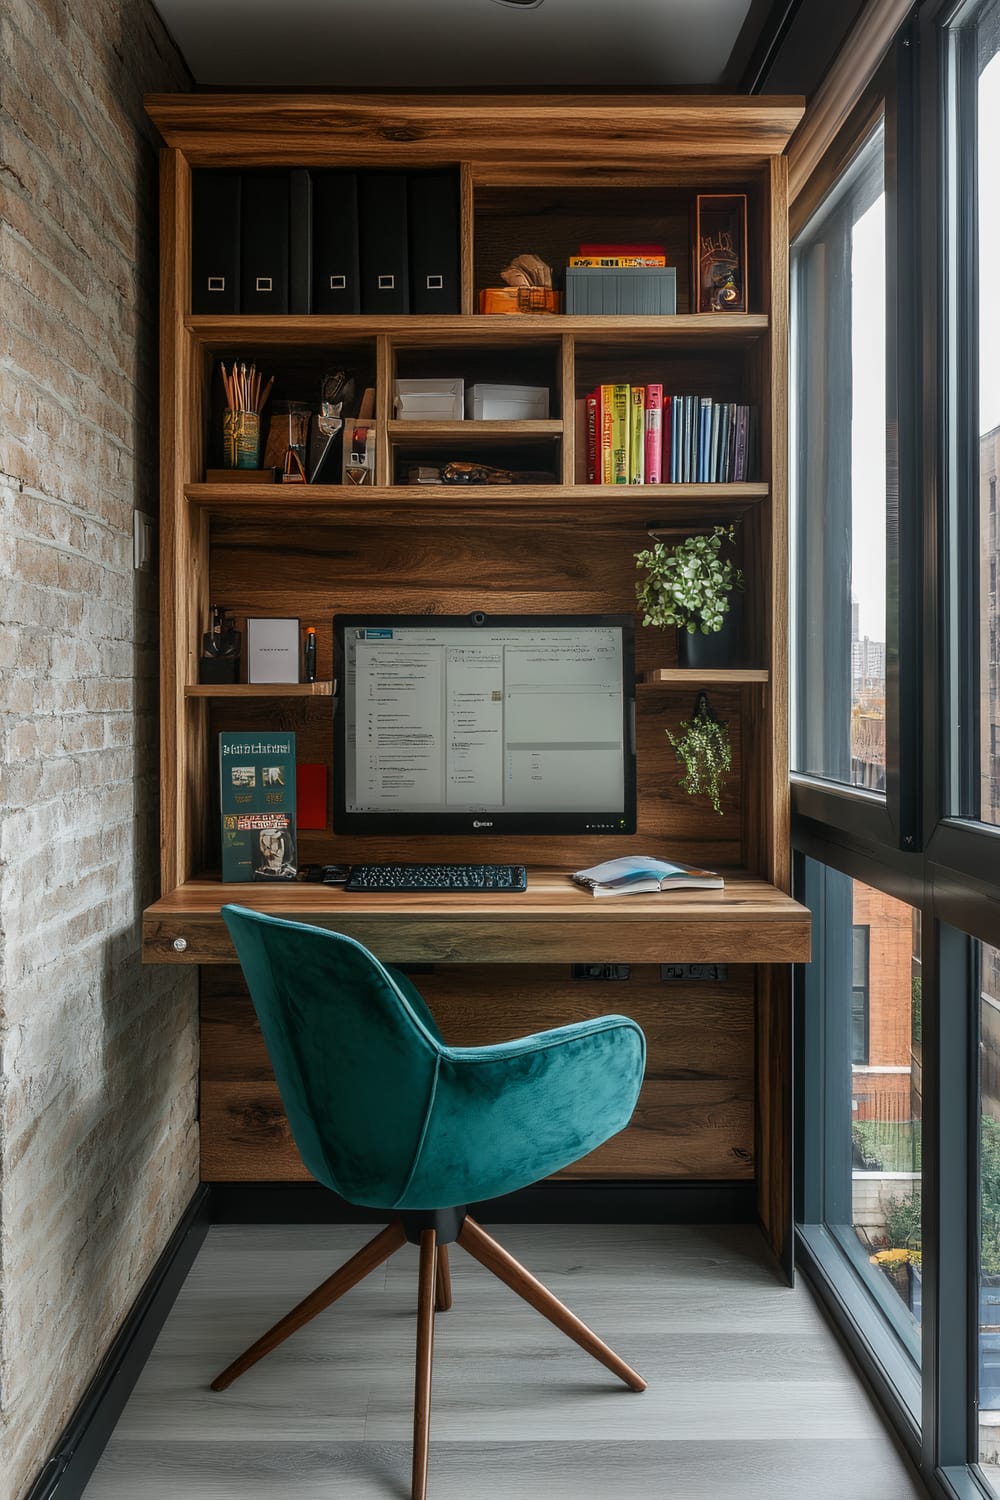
[243, 388]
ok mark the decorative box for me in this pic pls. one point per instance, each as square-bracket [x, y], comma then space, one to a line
[645, 291]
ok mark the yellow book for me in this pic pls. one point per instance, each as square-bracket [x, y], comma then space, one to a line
[620, 422]
[637, 436]
[605, 435]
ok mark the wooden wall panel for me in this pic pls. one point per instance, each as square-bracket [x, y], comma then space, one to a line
[316, 570]
[695, 1114]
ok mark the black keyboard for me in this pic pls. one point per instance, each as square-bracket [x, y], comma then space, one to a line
[437, 878]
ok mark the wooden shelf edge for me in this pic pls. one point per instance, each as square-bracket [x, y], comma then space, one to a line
[501, 328]
[467, 428]
[692, 676]
[259, 690]
[645, 496]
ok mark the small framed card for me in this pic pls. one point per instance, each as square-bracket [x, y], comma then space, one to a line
[272, 650]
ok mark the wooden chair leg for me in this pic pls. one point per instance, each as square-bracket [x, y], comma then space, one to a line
[350, 1273]
[442, 1297]
[494, 1257]
[425, 1362]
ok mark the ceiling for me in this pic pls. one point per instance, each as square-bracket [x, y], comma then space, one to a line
[457, 43]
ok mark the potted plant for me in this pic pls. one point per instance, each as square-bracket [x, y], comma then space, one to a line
[693, 588]
[704, 749]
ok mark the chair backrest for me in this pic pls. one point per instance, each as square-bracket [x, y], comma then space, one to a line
[354, 1055]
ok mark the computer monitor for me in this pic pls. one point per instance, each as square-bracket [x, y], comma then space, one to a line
[484, 724]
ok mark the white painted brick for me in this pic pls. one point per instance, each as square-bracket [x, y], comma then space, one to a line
[98, 1137]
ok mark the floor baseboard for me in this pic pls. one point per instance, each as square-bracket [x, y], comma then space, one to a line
[66, 1471]
[547, 1203]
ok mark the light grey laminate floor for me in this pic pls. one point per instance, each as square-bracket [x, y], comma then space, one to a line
[749, 1398]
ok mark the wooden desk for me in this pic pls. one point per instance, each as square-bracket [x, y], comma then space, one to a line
[716, 1104]
[553, 921]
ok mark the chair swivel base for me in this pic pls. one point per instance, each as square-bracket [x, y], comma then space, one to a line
[434, 1294]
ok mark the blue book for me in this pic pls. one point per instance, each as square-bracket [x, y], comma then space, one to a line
[257, 803]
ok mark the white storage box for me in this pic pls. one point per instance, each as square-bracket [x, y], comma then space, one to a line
[507, 403]
[430, 400]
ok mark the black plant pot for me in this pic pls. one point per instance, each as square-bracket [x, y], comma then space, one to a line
[723, 648]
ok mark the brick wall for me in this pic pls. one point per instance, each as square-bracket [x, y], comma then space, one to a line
[98, 1137]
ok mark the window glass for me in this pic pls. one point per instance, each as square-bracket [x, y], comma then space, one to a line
[988, 350]
[863, 1024]
[839, 480]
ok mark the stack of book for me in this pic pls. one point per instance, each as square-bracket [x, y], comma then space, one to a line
[633, 434]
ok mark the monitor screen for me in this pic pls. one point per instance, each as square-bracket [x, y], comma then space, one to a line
[511, 723]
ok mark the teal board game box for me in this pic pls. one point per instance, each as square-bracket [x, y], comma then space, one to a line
[257, 803]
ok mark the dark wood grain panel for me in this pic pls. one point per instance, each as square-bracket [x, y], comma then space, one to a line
[681, 1130]
[695, 1112]
[693, 1031]
[439, 129]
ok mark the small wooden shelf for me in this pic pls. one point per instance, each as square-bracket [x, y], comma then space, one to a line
[650, 503]
[692, 676]
[259, 690]
[484, 330]
[480, 432]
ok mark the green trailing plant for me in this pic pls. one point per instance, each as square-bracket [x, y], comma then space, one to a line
[688, 585]
[704, 749]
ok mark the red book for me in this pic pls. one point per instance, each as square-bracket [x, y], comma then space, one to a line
[666, 441]
[653, 426]
[622, 250]
[310, 795]
[593, 407]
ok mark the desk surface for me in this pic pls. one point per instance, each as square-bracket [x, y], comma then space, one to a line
[553, 921]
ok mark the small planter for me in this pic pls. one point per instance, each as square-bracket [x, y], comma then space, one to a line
[722, 648]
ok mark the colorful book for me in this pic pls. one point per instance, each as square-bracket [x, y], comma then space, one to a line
[619, 434]
[257, 804]
[592, 418]
[591, 248]
[637, 435]
[653, 435]
[606, 434]
[580, 440]
[618, 262]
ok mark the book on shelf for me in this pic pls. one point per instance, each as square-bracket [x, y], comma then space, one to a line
[637, 436]
[618, 262]
[592, 403]
[639, 874]
[620, 421]
[257, 805]
[652, 434]
[602, 248]
[605, 467]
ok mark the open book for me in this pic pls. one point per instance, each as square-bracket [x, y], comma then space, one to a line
[636, 873]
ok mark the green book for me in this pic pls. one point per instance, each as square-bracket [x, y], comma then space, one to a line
[620, 423]
[257, 802]
[637, 435]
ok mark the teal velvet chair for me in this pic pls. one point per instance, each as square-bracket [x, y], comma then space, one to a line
[392, 1119]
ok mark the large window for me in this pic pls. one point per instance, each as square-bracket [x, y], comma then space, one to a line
[896, 796]
[988, 365]
[866, 1172]
[839, 478]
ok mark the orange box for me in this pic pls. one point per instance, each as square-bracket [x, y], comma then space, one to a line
[519, 299]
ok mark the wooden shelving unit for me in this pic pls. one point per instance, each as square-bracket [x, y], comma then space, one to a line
[239, 690]
[540, 172]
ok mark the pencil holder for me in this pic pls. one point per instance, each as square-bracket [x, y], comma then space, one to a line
[240, 439]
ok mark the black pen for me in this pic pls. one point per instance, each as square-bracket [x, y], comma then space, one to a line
[309, 654]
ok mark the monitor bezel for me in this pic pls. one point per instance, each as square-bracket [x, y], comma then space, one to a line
[491, 824]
